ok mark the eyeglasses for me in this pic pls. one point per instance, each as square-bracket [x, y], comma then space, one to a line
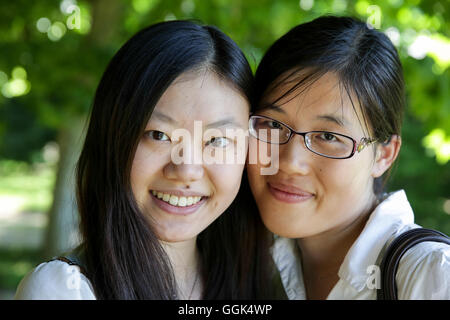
[324, 143]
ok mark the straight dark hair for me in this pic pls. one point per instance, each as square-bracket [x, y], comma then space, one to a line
[123, 257]
[364, 59]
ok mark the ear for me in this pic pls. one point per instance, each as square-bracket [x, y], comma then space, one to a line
[386, 155]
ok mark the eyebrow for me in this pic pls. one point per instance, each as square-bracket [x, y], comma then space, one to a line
[163, 117]
[273, 107]
[223, 123]
[330, 118]
[217, 124]
[327, 117]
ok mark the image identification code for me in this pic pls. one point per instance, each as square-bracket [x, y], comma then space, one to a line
[235, 309]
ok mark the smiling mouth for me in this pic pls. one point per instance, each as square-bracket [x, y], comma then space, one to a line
[178, 201]
[289, 194]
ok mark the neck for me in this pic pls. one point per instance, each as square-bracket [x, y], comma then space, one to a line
[323, 254]
[329, 248]
[185, 259]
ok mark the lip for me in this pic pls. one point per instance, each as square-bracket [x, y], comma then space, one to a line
[181, 193]
[182, 211]
[289, 194]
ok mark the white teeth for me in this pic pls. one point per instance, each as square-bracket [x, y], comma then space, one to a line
[175, 200]
[182, 202]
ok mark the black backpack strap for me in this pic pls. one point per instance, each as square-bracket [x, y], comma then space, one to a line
[394, 253]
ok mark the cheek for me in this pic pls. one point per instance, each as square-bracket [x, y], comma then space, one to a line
[144, 169]
[256, 180]
[226, 180]
[260, 153]
[347, 180]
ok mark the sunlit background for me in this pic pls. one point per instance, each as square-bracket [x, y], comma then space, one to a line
[52, 54]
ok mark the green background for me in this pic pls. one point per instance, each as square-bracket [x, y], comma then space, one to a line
[51, 59]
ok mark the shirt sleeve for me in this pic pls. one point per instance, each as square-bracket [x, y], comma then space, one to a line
[55, 280]
[424, 272]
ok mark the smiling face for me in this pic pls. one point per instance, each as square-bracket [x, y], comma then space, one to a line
[311, 194]
[182, 198]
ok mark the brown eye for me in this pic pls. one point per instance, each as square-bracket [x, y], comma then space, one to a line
[157, 135]
[275, 125]
[218, 142]
[328, 136]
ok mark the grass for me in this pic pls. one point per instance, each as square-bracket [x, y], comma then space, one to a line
[15, 264]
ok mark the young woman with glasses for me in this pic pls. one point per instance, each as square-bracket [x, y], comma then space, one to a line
[330, 96]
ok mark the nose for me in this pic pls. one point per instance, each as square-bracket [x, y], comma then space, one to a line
[183, 172]
[294, 157]
[185, 164]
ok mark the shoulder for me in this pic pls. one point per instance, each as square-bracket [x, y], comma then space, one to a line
[55, 280]
[423, 272]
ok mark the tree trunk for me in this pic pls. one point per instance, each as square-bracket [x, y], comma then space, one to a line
[62, 231]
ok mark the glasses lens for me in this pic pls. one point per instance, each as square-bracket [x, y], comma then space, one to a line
[269, 130]
[329, 144]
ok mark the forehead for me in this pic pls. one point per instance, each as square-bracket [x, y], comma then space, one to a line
[316, 98]
[201, 95]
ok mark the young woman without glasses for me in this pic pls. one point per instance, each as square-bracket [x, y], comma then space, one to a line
[153, 227]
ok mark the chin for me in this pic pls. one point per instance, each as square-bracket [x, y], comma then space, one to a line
[285, 233]
[286, 228]
[176, 236]
[289, 232]
[172, 240]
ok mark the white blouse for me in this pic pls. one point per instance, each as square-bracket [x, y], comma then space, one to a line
[55, 280]
[423, 272]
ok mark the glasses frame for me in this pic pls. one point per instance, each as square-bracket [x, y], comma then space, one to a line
[357, 146]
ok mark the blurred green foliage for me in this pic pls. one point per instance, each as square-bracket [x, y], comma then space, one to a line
[14, 264]
[49, 72]
[30, 184]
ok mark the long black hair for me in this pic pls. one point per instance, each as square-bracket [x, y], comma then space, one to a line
[364, 59]
[123, 256]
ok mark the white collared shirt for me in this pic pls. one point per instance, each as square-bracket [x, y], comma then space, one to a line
[55, 280]
[423, 272]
